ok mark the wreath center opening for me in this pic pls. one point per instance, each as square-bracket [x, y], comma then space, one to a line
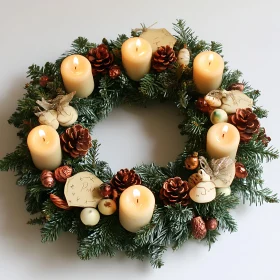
[132, 135]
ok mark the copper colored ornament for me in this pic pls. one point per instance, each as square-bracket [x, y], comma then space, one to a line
[76, 141]
[211, 224]
[175, 190]
[198, 228]
[106, 190]
[58, 202]
[124, 179]
[203, 106]
[163, 58]
[114, 71]
[246, 122]
[62, 173]
[43, 81]
[236, 86]
[47, 179]
[101, 59]
[240, 171]
[192, 161]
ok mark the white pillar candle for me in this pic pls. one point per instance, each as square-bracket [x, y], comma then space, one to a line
[208, 70]
[136, 57]
[136, 207]
[77, 75]
[222, 141]
[44, 145]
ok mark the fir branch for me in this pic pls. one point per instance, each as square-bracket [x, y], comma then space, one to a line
[37, 221]
[117, 44]
[230, 77]
[211, 237]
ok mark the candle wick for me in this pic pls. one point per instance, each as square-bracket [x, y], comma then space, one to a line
[137, 200]
[137, 49]
[44, 139]
[223, 135]
[210, 62]
[75, 67]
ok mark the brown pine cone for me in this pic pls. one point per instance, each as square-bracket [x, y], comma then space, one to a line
[175, 190]
[263, 137]
[240, 171]
[76, 141]
[101, 59]
[163, 58]
[114, 71]
[124, 179]
[62, 173]
[203, 106]
[198, 228]
[246, 122]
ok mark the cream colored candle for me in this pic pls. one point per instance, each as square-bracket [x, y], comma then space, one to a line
[136, 57]
[44, 145]
[77, 75]
[137, 205]
[208, 70]
[222, 141]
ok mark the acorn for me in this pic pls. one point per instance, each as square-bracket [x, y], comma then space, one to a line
[192, 161]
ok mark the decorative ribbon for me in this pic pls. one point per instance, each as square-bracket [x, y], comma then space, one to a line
[216, 168]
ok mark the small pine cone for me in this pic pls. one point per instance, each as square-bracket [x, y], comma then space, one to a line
[263, 137]
[198, 228]
[58, 202]
[124, 179]
[62, 173]
[114, 72]
[106, 190]
[47, 179]
[101, 59]
[246, 122]
[163, 58]
[175, 190]
[76, 141]
[43, 81]
[211, 224]
[240, 171]
[236, 86]
[203, 106]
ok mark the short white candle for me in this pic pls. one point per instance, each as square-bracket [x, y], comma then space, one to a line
[77, 75]
[208, 70]
[136, 207]
[136, 57]
[44, 145]
[222, 141]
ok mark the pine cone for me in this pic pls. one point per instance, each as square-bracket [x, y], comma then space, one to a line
[100, 58]
[62, 173]
[263, 137]
[211, 224]
[114, 71]
[175, 190]
[163, 58]
[198, 228]
[246, 122]
[76, 141]
[124, 179]
[236, 86]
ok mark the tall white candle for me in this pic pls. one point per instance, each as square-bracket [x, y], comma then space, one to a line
[136, 208]
[208, 70]
[77, 75]
[136, 57]
[44, 145]
[222, 140]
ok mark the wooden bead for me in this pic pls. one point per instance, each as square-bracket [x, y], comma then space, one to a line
[107, 206]
[90, 216]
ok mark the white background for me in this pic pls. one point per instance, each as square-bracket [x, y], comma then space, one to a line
[35, 31]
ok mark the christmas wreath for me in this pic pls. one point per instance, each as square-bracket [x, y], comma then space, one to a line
[141, 211]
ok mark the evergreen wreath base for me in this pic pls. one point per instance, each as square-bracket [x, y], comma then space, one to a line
[170, 225]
